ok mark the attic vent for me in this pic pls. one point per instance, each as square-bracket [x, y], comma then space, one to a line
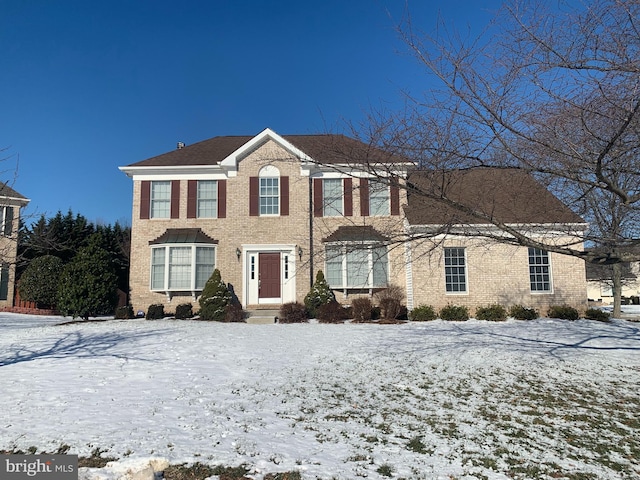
[180, 145]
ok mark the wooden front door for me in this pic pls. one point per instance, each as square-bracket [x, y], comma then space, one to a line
[269, 275]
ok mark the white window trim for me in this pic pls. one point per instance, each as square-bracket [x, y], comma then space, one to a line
[529, 265]
[260, 197]
[7, 220]
[466, 273]
[152, 200]
[269, 172]
[215, 210]
[370, 246]
[325, 203]
[167, 246]
[377, 187]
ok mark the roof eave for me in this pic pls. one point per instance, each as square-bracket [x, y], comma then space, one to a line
[157, 170]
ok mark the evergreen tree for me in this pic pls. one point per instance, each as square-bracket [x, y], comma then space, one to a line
[39, 282]
[60, 235]
[320, 294]
[88, 285]
[215, 298]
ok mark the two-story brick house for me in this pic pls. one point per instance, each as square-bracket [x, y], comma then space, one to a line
[10, 204]
[269, 211]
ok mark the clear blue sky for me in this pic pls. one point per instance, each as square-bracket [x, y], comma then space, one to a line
[87, 86]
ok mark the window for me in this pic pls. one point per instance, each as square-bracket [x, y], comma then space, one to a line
[4, 282]
[160, 199]
[181, 267]
[378, 199]
[455, 271]
[269, 196]
[357, 266]
[6, 228]
[207, 199]
[539, 270]
[332, 197]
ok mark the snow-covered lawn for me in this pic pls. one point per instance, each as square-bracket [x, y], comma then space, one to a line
[540, 399]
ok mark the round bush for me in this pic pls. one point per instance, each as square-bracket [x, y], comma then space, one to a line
[492, 313]
[293, 312]
[361, 309]
[454, 313]
[423, 313]
[523, 313]
[155, 312]
[597, 314]
[563, 312]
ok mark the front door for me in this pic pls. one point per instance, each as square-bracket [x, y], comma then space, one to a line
[269, 275]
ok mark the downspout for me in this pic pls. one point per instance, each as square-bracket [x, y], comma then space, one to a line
[311, 252]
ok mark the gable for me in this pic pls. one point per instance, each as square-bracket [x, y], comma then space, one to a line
[225, 151]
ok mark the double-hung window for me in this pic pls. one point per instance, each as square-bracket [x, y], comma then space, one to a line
[378, 199]
[539, 270]
[269, 196]
[207, 199]
[332, 197]
[357, 266]
[160, 199]
[455, 270]
[6, 226]
[181, 267]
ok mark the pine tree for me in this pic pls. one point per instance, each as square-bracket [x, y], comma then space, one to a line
[215, 298]
[320, 294]
[88, 285]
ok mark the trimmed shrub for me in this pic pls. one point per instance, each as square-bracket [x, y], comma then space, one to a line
[361, 309]
[597, 314]
[454, 313]
[492, 313]
[423, 313]
[234, 313]
[293, 312]
[390, 301]
[523, 313]
[214, 299]
[88, 284]
[184, 311]
[320, 294]
[331, 312]
[39, 282]
[563, 312]
[155, 312]
[124, 313]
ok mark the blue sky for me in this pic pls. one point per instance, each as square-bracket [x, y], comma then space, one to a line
[88, 86]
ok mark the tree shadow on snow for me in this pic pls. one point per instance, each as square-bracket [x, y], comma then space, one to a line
[544, 337]
[79, 345]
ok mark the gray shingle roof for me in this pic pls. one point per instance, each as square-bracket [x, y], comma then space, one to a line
[326, 149]
[506, 195]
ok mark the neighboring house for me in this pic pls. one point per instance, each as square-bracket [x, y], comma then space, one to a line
[10, 204]
[269, 211]
[599, 284]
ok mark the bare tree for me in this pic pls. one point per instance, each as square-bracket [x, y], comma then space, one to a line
[549, 88]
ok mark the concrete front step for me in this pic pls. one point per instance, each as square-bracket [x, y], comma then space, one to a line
[262, 316]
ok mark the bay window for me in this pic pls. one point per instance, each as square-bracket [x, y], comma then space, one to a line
[357, 266]
[181, 267]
